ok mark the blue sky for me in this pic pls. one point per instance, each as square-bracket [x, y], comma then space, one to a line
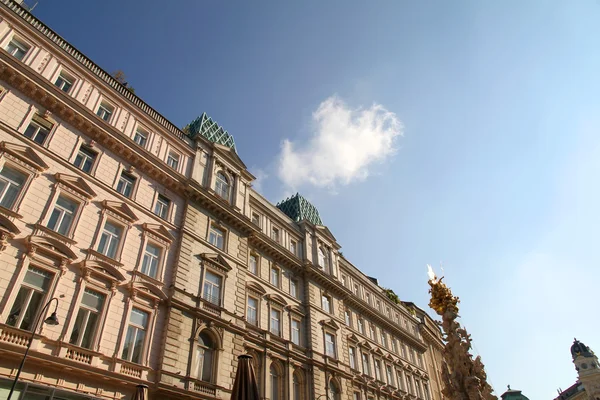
[477, 125]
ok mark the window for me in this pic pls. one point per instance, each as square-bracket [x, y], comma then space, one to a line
[361, 325]
[62, 216]
[64, 82]
[409, 385]
[275, 322]
[379, 305]
[105, 111]
[205, 357]
[378, 370]
[322, 257]
[126, 184]
[29, 298]
[334, 391]
[395, 346]
[216, 237]
[329, 344]
[344, 280]
[352, 357]
[85, 159]
[136, 336]
[297, 387]
[253, 264]
[222, 185]
[326, 303]
[426, 391]
[162, 206]
[151, 259]
[140, 137]
[420, 360]
[11, 183]
[110, 239]
[365, 360]
[256, 219]
[275, 234]
[296, 332]
[38, 129]
[294, 288]
[212, 288]
[293, 247]
[347, 318]
[404, 352]
[372, 331]
[275, 276]
[412, 355]
[356, 289]
[419, 391]
[17, 49]
[276, 384]
[252, 312]
[400, 380]
[86, 323]
[368, 298]
[390, 375]
[356, 396]
[383, 338]
[173, 160]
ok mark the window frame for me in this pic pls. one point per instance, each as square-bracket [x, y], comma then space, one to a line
[142, 132]
[298, 331]
[279, 274]
[294, 288]
[128, 324]
[41, 121]
[258, 219]
[218, 301]
[25, 46]
[66, 76]
[107, 107]
[275, 234]
[99, 322]
[29, 176]
[256, 257]
[169, 208]
[327, 303]
[257, 311]
[94, 161]
[177, 159]
[223, 185]
[279, 310]
[328, 333]
[53, 204]
[46, 293]
[135, 179]
[352, 357]
[217, 229]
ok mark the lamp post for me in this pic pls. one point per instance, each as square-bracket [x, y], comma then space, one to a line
[51, 320]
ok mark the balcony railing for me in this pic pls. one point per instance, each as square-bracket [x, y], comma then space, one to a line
[216, 300]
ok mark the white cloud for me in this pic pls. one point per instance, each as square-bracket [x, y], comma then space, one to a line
[261, 176]
[344, 144]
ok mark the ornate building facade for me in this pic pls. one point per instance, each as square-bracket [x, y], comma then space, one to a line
[164, 262]
[588, 374]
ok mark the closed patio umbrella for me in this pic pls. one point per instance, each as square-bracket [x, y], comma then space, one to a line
[141, 392]
[245, 386]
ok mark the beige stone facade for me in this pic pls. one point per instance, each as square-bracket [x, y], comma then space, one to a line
[165, 263]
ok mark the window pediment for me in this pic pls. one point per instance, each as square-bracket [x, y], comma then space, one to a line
[75, 185]
[366, 345]
[147, 290]
[389, 357]
[353, 338]
[296, 310]
[51, 247]
[8, 226]
[276, 299]
[120, 211]
[159, 232]
[24, 155]
[330, 324]
[378, 352]
[103, 270]
[217, 261]
[256, 288]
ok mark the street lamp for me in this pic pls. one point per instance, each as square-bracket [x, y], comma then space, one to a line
[51, 320]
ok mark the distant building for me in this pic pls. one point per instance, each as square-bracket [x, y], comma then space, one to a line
[512, 394]
[588, 371]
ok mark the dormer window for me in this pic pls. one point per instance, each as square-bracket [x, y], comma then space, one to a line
[222, 185]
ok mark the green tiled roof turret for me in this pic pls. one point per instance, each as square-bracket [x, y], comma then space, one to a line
[205, 126]
[299, 209]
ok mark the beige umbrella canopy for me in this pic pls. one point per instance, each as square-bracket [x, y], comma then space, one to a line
[141, 392]
[245, 386]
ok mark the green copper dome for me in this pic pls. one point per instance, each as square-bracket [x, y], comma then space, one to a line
[512, 394]
[209, 129]
[300, 209]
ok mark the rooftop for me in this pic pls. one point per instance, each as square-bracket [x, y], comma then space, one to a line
[210, 130]
[300, 209]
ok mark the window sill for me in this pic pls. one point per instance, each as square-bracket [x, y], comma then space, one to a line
[10, 213]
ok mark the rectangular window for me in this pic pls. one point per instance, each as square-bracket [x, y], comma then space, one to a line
[378, 370]
[347, 318]
[361, 326]
[61, 218]
[326, 303]
[85, 159]
[412, 355]
[352, 357]
[344, 280]
[420, 360]
[426, 391]
[275, 234]
[126, 184]
[38, 129]
[11, 183]
[173, 160]
[404, 352]
[86, 323]
[294, 288]
[136, 336]
[372, 332]
[110, 239]
[253, 264]
[17, 49]
[216, 237]
[395, 346]
[383, 338]
[390, 375]
[275, 276]
[293, 247]
[356, 289]
[365, 361]
[252, 312]
[378, 305]
[256, 219]
[162, 206]
[151, 260]
[368, 298]
[64, 82]
[356, 396]
[296, 332]
[330, 345]
[275, 322]
[29, 298]
[212, 288]
[105, 111]
[409, 386]
[140, 137]
[419, 391]
[400, 380]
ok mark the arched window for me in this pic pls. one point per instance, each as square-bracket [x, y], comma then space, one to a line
[276, 382]
[322, 258]
[297, 386]
[334, 391]
[205, 357]
[222, 185]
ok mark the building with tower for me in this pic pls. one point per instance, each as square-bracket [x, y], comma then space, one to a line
[588, 374]
[161, 261]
